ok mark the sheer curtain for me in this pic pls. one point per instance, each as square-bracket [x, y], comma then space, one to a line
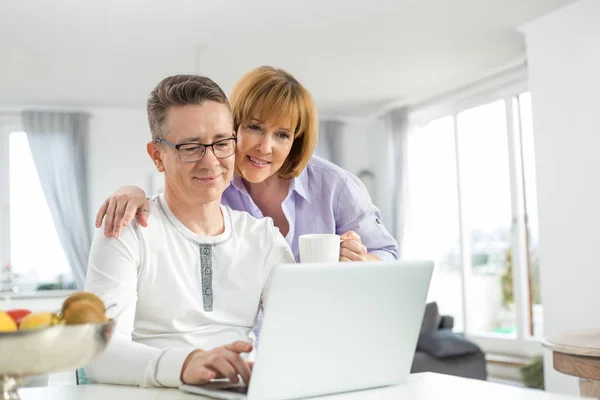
[57, 141]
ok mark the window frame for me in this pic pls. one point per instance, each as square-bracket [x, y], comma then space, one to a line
[506, 86]
[8, 124]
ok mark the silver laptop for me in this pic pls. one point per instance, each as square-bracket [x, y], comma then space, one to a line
[332, 328]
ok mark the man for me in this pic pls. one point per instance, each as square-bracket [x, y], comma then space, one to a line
[186, 289]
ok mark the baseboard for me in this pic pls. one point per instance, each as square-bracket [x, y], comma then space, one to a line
[504, 368]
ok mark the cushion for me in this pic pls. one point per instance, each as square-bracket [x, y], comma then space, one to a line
[444, 343]
[431, 318]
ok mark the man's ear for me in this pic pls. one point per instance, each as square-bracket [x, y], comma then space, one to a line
[156, 156]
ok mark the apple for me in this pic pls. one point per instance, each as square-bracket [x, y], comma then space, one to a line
[18, 314]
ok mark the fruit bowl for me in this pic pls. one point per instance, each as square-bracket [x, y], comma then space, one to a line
[46, 350]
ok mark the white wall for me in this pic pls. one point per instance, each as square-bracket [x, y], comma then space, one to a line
[365, 144]
[564, 76]
[116, 153]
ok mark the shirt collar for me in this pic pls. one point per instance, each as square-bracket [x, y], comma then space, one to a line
[238, 184]
[298, 185]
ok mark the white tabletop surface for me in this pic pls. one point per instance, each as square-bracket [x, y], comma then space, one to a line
[418, 386]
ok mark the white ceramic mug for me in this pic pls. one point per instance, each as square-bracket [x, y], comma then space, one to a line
[319, 248]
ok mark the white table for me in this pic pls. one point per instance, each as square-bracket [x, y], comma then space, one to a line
[426, 386]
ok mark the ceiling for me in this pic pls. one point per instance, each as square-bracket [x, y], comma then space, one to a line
[355, 56]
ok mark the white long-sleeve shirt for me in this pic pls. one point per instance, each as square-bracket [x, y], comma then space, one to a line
[175, 291]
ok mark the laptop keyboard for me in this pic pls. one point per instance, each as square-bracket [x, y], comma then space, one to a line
[236, 389]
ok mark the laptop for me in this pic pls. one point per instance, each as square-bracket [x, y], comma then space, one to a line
[333, 328]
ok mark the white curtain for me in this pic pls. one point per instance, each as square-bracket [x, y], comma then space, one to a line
[57, 142]
[396, 122]
[330, 145]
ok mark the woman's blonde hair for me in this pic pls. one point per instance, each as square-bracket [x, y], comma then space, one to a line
[281, 99]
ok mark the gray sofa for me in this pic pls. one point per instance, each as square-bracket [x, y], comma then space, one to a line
[441, 350]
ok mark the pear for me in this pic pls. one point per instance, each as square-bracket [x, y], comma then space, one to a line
[83, 312]
[75, 297]
[39, 320]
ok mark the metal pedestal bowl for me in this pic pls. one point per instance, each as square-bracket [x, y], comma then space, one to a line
[47, 350]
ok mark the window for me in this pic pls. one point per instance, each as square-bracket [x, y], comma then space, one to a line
[432, 217]
[30, 243]
[487, 216]
[472, 208]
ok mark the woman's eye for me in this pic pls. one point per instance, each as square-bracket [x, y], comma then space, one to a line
[282, 135]
[254, 127]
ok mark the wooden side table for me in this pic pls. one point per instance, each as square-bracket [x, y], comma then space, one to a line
[577, 353]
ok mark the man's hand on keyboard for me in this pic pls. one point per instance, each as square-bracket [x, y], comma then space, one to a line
[201, 366]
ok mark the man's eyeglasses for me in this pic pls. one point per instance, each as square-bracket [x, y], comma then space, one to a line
[192, 152]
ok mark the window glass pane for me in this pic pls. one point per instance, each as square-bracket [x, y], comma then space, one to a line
[431, 227]
[35, 251]
[486, 195]
[531, 210]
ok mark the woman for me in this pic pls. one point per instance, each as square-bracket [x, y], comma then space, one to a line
[277, 176]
